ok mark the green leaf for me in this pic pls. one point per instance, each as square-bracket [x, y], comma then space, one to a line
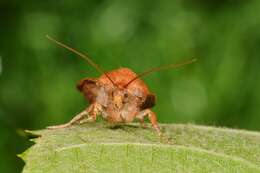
[98, 148]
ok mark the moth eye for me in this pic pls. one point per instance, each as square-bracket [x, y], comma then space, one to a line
[125, 95]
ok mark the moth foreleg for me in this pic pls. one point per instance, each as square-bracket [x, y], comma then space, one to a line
[88, 115]
[152, 117]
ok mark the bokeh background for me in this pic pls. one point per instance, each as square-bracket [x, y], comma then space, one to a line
[37, 78]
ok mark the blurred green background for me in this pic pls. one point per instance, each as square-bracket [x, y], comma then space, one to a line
[37, 78]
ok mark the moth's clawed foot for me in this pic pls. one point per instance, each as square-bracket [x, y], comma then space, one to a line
[143, 125]
[59, 126]
[164, 138]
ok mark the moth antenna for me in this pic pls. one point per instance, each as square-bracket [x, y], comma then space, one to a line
[82, 56]
[159, 68]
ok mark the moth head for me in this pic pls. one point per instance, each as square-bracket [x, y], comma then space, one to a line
[120, 96]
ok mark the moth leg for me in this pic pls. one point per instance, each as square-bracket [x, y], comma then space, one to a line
[88, 115]
[141, 120]
[92, 114]
[152, 117]
[143, 125]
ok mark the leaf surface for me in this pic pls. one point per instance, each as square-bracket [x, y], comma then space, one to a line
[98, 148]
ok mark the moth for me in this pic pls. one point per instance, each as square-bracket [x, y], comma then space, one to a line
[119, 96]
